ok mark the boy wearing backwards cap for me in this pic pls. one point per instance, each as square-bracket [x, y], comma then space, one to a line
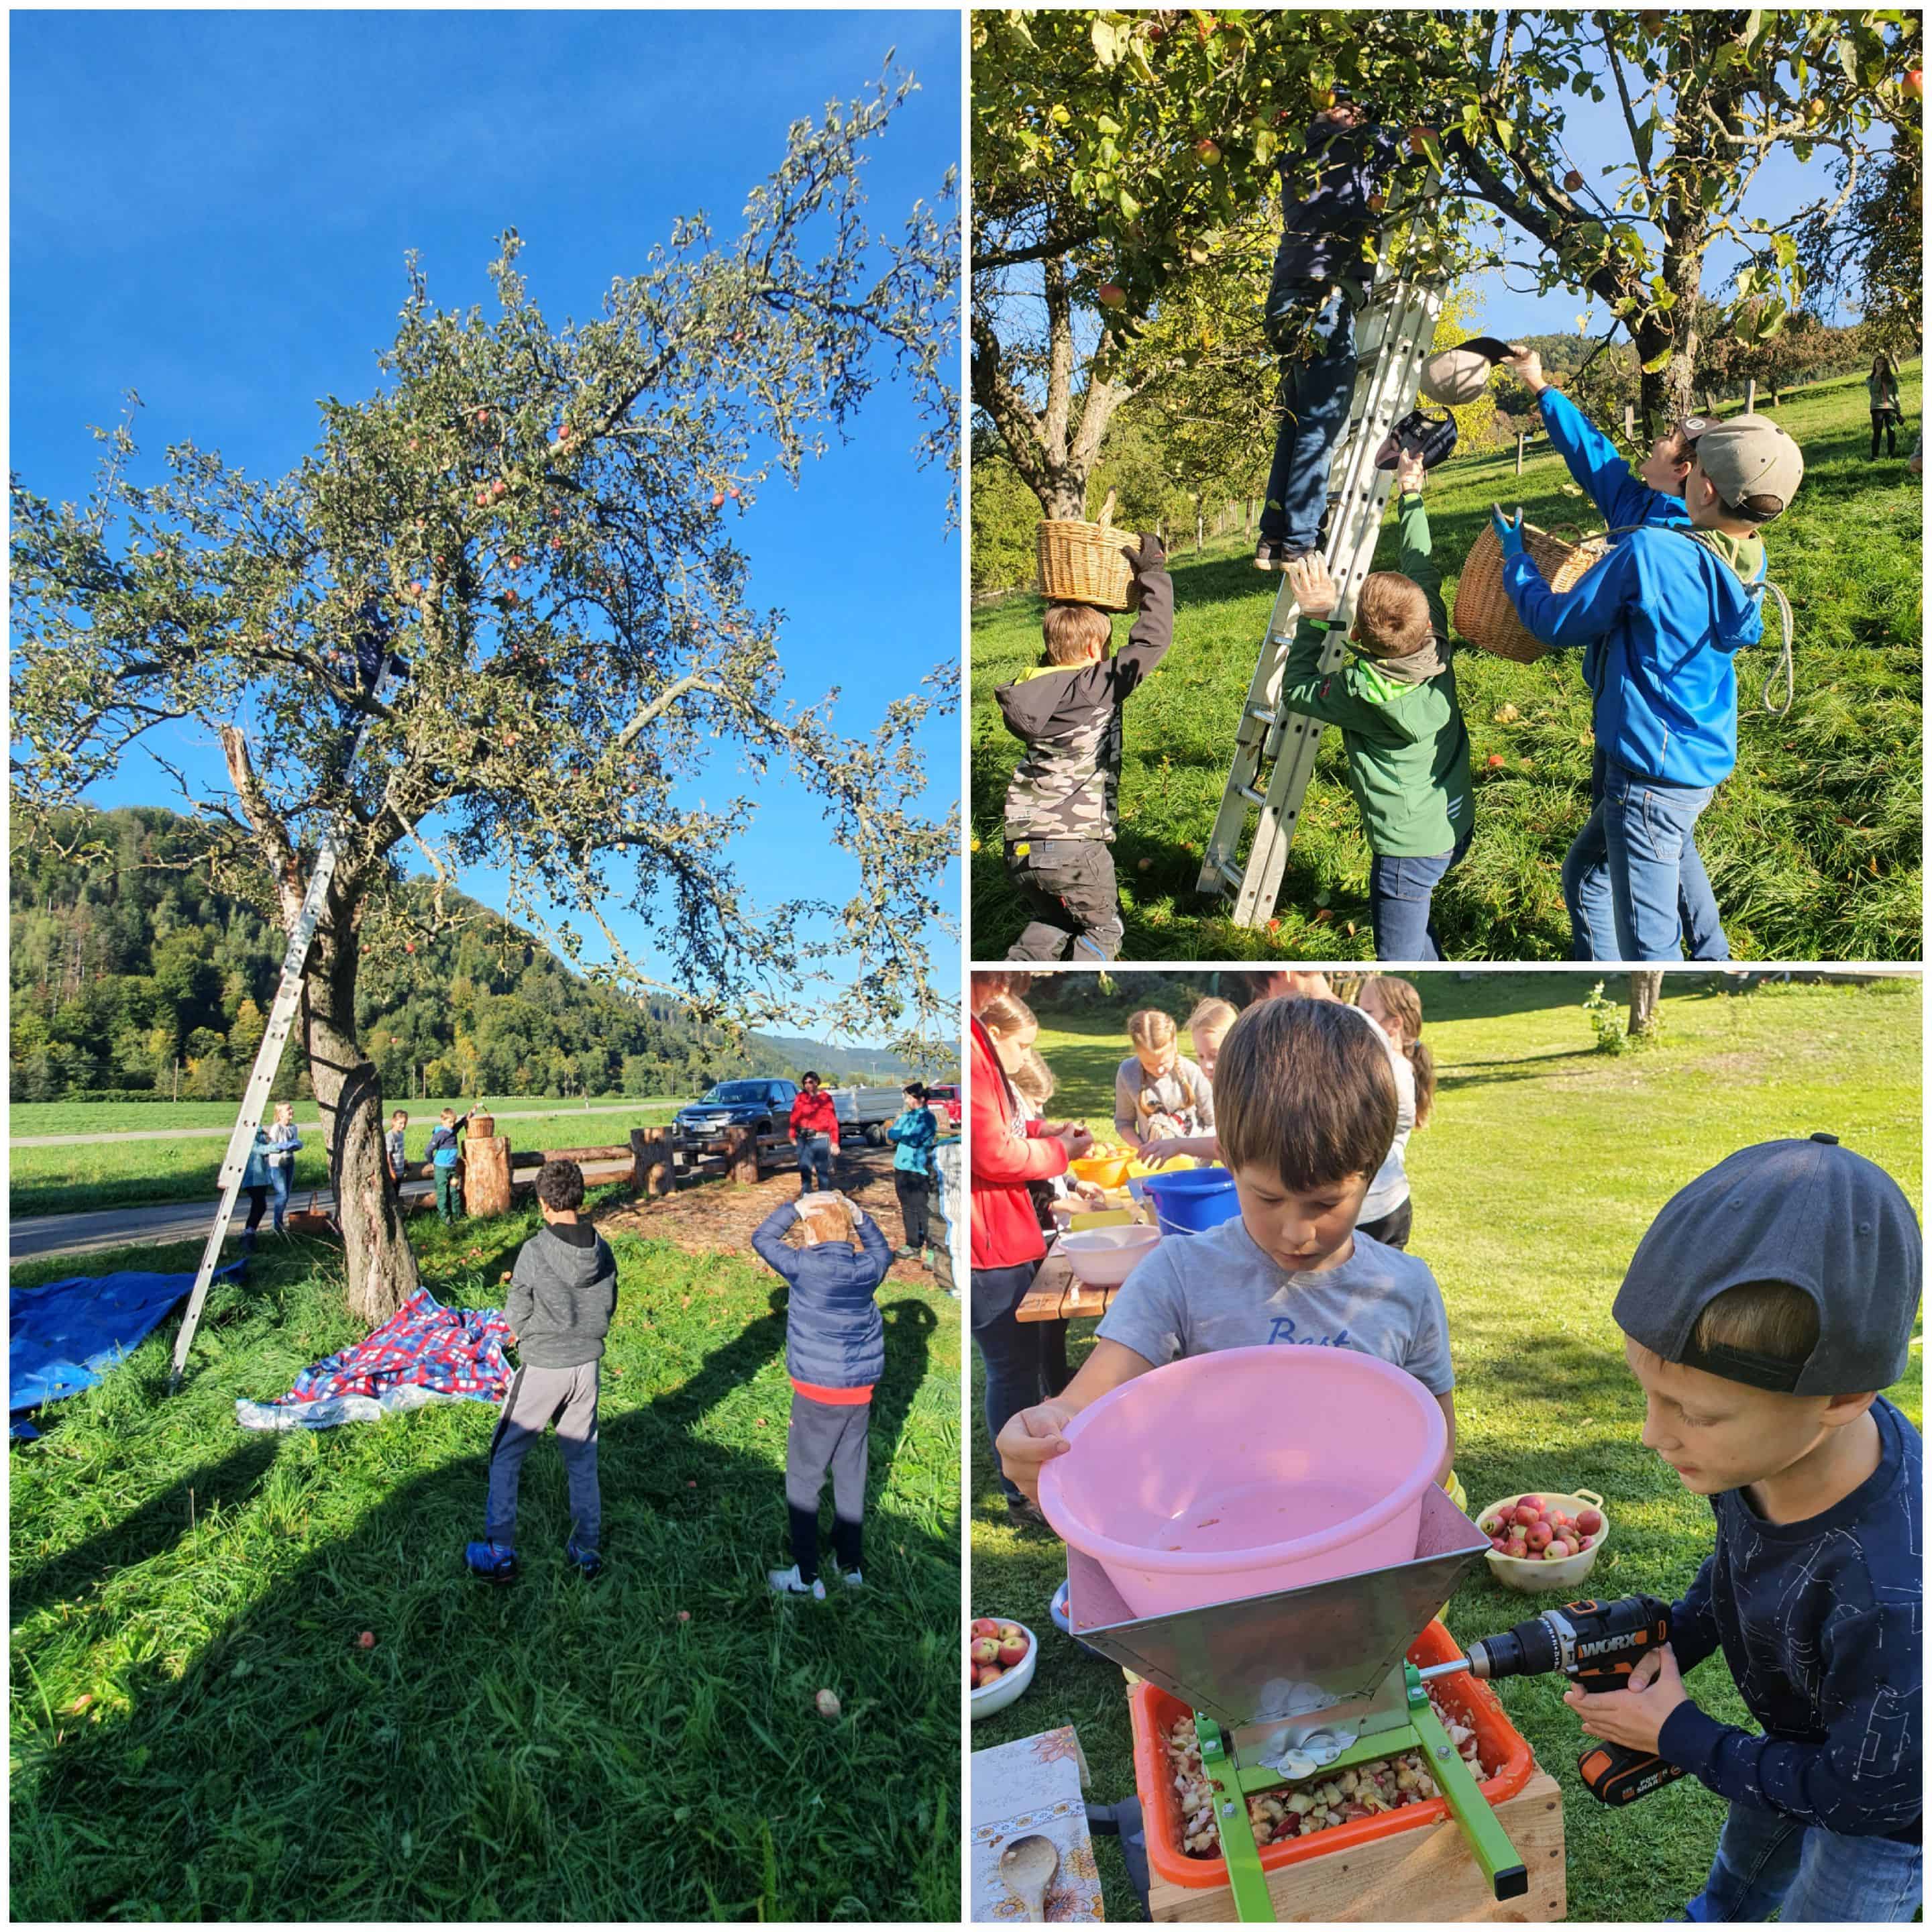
[1769, 1299]
[1659, 620]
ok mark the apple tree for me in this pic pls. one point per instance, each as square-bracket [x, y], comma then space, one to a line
[541, 520]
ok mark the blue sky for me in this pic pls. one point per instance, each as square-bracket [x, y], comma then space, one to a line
[212, 208]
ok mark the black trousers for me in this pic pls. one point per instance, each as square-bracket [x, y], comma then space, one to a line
[825, 1437]
[915, 1193]
[1884, 424]
[1074, 901]
[1392, 1230]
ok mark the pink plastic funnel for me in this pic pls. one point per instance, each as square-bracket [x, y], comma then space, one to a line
[1246, 1471]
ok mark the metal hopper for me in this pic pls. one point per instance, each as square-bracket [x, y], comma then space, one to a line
[1287, 1684]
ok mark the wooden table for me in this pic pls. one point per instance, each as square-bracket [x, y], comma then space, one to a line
[1032, 1786]
[1055, 1296]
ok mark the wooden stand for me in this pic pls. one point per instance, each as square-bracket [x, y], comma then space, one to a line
[653, 1169]
[486, 1179]
[1422, 1877]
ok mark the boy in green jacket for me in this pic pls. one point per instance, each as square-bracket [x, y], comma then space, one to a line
[1401, 729]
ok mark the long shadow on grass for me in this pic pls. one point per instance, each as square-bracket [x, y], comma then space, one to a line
[645, 1747]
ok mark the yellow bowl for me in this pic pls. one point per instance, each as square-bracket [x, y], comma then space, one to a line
[1107, 1172]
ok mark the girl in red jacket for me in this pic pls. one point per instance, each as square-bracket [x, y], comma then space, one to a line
[1007, 1244]
[815, 1126]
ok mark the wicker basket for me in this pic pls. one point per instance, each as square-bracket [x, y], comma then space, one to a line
[1081, 563]
[1483, 613]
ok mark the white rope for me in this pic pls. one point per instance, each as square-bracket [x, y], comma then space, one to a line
[1784, 661]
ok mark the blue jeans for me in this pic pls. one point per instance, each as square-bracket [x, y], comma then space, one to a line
[1399, 895]
[1765, 1861]
[1013, 1351]
[1313, 401]
[1631, 853]
[815, 1150]
[279, 1180]
[1587, 893]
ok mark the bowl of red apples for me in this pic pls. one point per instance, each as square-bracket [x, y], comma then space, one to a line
[999, 1657]
[1545, 1540]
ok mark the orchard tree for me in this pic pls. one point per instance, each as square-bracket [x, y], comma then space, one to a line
[540, 520]
[1873, 252]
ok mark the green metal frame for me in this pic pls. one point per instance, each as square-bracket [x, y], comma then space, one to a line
[1417, 1729]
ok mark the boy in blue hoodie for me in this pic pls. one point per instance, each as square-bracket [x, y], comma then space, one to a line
[1320, 281]
[1768, 1302]
[1659, 620]
[835, 1354]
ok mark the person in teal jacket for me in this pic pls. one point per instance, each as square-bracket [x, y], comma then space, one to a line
[1652, 493]
[1659, 619]
[913, 1135]
[1403, 733]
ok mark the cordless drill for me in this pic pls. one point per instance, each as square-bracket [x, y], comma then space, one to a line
[1595, 1645]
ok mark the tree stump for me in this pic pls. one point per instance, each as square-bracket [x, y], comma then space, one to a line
[653, 1172]
[741, 1156]
[486, 1181]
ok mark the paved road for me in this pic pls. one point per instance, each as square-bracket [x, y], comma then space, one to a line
[222, 1133]
[153, 1224]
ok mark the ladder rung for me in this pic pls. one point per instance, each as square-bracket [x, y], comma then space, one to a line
[1252, 796]
[1229, 870]
[1260, 714]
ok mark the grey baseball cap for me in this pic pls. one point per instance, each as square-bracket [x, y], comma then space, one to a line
[1747, 456]
[1810, 1213]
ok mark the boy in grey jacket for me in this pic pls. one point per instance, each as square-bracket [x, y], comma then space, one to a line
[563, 1292]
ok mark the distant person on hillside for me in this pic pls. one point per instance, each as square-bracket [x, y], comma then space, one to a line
[444, 1154]
[563, 1292]
[834, 1354]
[1320, 281]
[912, 1135]
[1403, 740]
[1659, 620]
[284, 1143]
[1882, 386]
[1063, 804]
[395, 1145]
[815, 1126]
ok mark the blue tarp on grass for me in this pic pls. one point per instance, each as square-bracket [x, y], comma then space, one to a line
[67, 1334]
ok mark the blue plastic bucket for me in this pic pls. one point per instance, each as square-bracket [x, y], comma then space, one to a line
[1193, 1201]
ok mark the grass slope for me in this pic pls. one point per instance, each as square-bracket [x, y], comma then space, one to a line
[1543, 1164]
[197, 1733]
[72, 1180]
[1813, 844]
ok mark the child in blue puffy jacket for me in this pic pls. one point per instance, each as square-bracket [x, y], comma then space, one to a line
[834, 1354]
[1659, 620]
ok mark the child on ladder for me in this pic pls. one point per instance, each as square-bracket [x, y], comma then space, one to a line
[1659, 620]
[1320, 281]
[1403, 733]
[1064, 802]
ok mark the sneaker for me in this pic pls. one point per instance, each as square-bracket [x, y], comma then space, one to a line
[1268, 554]
[852, 1580]
[588, 1563]
[790, 1583]
[904, 1254]
[490, 1562]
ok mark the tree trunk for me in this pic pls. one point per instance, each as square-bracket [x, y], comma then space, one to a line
[1645, 990]
[381, 1265]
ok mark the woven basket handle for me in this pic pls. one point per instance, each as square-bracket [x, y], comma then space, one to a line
[1107, 510]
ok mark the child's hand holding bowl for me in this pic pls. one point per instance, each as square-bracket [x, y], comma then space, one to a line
[1029, 1440]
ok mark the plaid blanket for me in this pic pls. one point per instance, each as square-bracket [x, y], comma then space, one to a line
[424, 1353]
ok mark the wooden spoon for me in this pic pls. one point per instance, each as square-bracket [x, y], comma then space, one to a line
[1027, 1866]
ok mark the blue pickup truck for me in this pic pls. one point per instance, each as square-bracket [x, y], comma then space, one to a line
[763, 1105]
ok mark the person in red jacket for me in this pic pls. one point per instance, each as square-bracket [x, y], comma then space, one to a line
[1007, 1244]
[815, 1126]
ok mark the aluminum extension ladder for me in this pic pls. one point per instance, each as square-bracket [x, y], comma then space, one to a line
[1274, 751]
[274, 1041]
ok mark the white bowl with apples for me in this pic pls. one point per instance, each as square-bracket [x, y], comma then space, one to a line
[1544, 1539]
[1001, 1677]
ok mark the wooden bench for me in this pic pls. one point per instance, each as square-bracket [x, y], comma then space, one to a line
[1056, 1296]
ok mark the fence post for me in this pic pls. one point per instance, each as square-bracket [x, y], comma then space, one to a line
[741, 1156]
[1750, 396]
[652, 1171]
[1520, 439]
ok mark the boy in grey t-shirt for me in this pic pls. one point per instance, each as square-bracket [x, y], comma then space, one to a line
[1306, 1104]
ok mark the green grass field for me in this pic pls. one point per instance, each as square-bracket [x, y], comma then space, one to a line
[1813, 844]
[69, 1179]
[197, 1732]
[1543, 1164]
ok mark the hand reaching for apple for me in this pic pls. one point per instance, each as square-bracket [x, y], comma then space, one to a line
[1528, 364]
[1077, 1140]
[1315, 592]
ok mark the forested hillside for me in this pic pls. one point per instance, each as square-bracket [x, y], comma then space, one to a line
[131, 975]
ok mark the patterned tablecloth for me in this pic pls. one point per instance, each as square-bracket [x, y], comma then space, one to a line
[1034, 1785]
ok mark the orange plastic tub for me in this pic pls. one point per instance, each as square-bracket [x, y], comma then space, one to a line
[1153, 1712]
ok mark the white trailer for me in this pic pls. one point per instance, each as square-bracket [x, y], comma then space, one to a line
[865, 1110]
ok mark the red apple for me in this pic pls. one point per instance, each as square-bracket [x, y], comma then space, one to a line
[510, 598]
[557, 543]
[1012, 1652]
[1496, 761]
[990, 1673]
[1556, 1548]
[408, 946]
[1915, 83]
[1538, 1535]
[1110, 295]
[732, 491]
[1532, 1502]
[1524, 1514]
[1572, 181]
[1590, 1521]
[497, 488]
[984, 1626]
[1518, 1548]
[1500, 1544]
[1209, 149]
[1416, 135]
[985, 1650]
[482, 415]
[718, 500]
[516, 563]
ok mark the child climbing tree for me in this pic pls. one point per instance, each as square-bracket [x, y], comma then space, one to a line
[539, 518]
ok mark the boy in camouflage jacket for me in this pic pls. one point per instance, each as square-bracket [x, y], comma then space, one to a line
[1063, 801]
